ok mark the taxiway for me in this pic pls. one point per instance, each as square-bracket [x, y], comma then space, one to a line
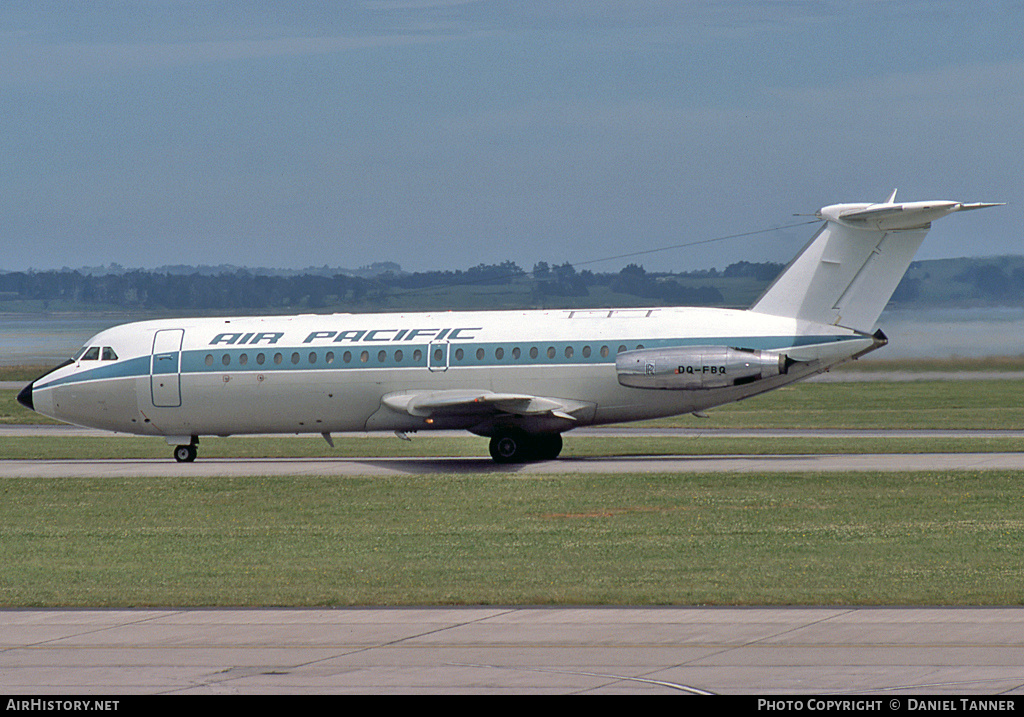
[885, 652]
[107, 468]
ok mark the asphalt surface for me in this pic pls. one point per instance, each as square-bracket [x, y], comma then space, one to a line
[882, 654]
[103, 468]
[360, 466]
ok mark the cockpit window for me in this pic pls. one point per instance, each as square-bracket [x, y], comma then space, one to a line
[91, 354]
[108, 354]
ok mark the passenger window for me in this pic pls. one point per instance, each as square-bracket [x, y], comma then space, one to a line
[93, 354]
[108, 354]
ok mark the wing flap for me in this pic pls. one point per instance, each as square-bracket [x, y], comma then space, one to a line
[459, 402]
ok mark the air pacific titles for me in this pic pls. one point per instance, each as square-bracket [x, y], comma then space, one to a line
[464, 333]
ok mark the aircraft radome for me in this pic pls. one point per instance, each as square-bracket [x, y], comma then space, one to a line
[522, 378]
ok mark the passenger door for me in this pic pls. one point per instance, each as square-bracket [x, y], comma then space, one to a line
[165, 368]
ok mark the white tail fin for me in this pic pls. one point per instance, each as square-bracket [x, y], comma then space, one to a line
[848, 272]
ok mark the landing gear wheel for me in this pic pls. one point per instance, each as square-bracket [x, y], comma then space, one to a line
[547, 447]
[185, 454]
[515, 447]
[508, 447]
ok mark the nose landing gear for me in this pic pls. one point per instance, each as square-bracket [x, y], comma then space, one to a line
[187, 453]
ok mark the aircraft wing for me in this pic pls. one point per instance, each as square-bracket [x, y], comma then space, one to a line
[462, 402]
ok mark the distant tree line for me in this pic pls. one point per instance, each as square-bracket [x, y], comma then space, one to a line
[244, 289]
[151, 290]
[993, 283]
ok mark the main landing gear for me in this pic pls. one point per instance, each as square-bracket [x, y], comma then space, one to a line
[187, 454]
[519, 447]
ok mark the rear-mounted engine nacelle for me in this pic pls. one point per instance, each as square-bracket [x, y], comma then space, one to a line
[696, 368]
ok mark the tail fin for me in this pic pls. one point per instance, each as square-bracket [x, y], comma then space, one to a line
[849, 270]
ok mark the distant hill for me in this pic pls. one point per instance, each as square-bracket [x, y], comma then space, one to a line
[375, 269]
[965, 282]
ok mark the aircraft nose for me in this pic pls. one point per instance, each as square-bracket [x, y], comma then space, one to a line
[25, 397]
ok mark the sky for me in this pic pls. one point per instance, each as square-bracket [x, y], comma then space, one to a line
[449, 133]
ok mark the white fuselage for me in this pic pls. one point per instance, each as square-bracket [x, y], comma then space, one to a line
[332, 373]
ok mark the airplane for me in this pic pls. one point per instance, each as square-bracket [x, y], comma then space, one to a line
[521, 378]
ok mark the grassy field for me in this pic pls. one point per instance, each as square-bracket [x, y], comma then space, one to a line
[856, 538]
[923, 538]
[876, 405]
[22, 373]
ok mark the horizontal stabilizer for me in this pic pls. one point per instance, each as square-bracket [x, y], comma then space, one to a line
[891, 215]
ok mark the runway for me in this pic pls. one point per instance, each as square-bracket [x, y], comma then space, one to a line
[382, 466]
[885, 652]
[157, 468]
